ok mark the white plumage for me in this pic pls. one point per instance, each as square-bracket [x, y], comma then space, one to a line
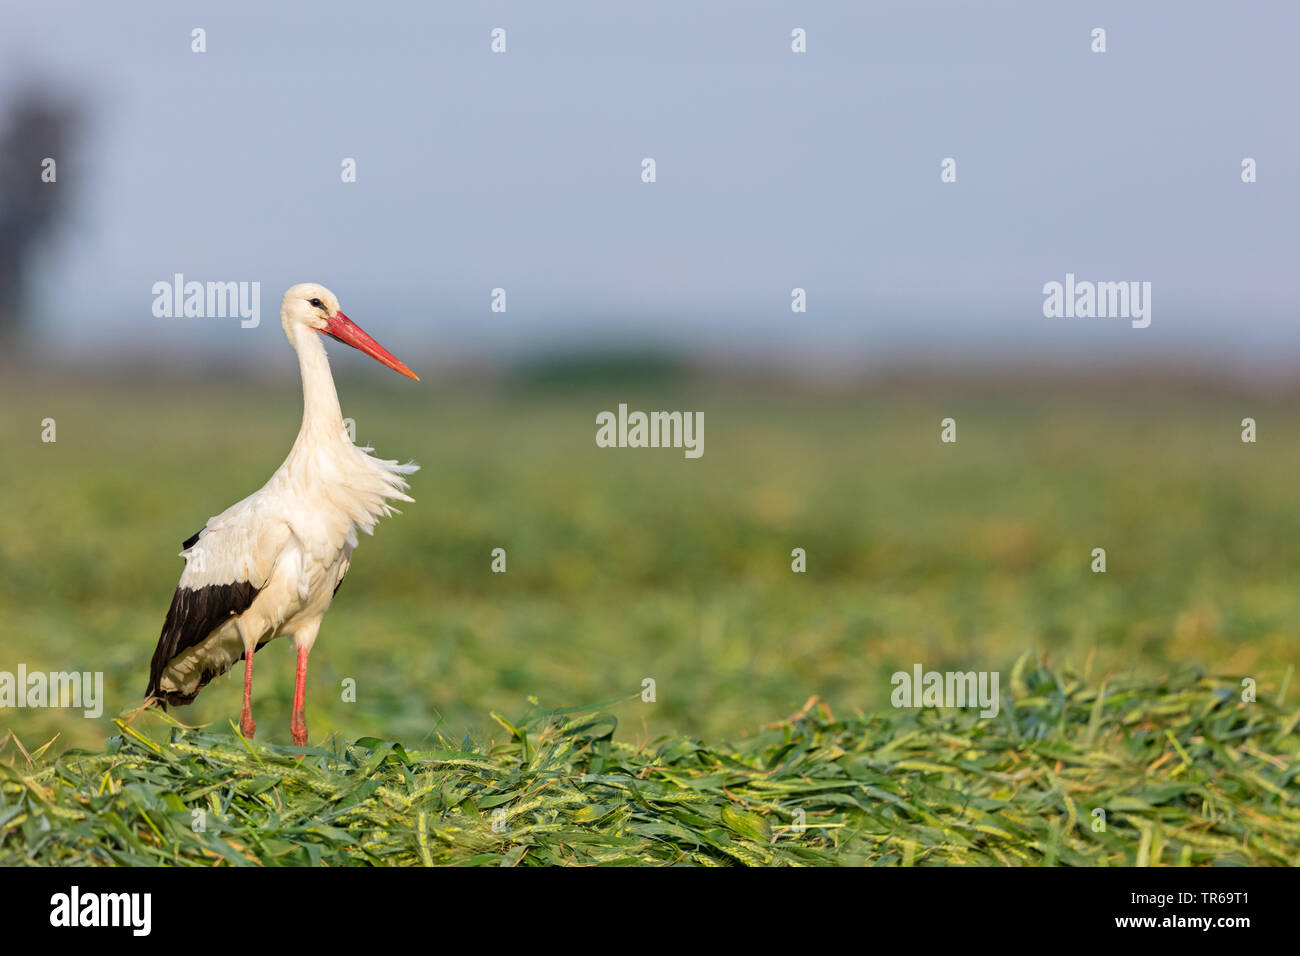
[270, 565]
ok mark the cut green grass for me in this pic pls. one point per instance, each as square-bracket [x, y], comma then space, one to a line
[1184, 771]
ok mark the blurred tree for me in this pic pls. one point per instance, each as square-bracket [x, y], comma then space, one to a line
[33, 198]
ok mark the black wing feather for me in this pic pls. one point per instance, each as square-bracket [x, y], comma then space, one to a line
[195, 613]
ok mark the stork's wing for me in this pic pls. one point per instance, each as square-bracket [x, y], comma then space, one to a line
[226, 564]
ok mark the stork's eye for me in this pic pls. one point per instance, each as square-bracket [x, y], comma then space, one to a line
[315, 303]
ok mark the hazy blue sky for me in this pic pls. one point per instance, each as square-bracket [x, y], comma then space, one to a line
[775, 170]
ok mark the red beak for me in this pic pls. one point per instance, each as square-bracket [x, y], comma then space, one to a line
[349, 333]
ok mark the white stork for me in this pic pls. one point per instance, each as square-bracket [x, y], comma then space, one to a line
[271, 564]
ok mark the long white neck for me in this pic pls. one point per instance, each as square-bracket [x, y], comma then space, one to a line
[346, 486]
[322, 419]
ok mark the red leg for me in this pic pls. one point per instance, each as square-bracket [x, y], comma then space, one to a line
[246, 725]
[298, 723]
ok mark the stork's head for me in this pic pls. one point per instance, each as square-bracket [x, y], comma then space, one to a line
[312, 306]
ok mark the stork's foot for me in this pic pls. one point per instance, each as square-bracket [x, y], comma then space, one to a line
[247, 726]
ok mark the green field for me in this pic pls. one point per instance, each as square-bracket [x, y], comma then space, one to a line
[633, 564]
[628, 564]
